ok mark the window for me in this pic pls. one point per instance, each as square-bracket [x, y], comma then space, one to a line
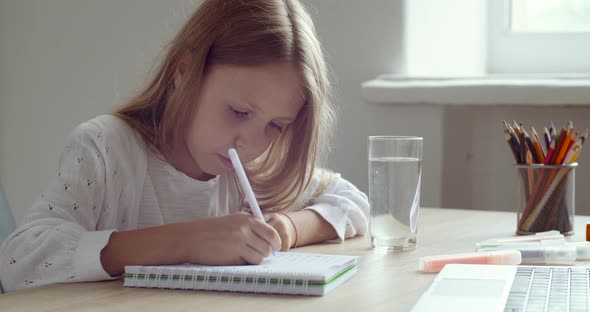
[539, 36]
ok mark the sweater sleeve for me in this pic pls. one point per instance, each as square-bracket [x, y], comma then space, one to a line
[57, 240]
[341, 204]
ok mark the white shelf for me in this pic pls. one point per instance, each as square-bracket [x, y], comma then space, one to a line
[542, 90]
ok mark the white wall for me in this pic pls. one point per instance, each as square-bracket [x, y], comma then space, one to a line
[65, 61]
[364, 39]
[445, 38]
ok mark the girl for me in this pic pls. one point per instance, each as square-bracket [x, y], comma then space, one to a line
[152, 183]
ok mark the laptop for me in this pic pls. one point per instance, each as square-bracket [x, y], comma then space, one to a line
[465, 287]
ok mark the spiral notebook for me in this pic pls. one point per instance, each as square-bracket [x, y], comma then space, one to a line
[283, 273]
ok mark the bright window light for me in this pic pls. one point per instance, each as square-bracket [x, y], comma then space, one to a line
[550, 15]
[539, 37]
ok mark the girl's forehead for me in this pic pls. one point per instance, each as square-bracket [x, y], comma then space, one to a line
[275, 74]
[274, 88]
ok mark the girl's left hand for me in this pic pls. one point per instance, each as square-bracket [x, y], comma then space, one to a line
[285, 228]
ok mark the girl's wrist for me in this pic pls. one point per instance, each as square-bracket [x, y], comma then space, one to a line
[129, 248]
[294, 232]
[180, 233]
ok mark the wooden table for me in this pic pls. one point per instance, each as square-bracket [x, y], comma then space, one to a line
[384, 282]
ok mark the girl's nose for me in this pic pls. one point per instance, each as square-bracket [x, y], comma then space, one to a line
[253, 140]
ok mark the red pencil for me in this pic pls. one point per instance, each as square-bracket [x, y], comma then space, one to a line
[550, 153]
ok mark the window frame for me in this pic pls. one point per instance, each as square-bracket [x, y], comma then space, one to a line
[512, 52]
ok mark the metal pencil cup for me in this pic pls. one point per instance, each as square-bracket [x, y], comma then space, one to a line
[545, 198]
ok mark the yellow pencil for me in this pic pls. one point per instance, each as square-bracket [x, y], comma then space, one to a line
[537, 146]
[577, 153]
[572, 154]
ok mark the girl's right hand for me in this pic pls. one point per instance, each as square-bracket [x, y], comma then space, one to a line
[238, 238]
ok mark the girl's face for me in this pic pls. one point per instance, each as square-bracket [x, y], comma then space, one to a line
[241, 107]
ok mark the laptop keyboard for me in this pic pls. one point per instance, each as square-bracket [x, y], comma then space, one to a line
[541, 288]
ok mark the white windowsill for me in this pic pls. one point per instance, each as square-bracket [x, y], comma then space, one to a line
[552, 90]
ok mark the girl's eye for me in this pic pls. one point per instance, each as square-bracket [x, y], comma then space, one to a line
[276, 126]
[239, 114]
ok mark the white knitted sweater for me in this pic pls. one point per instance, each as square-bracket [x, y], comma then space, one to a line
[108, 180]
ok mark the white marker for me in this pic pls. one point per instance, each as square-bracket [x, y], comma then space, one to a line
[235, 160]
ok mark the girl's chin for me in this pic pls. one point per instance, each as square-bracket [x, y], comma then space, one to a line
[205, 176]
[214, 171]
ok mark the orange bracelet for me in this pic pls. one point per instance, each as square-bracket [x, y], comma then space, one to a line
[294, 227]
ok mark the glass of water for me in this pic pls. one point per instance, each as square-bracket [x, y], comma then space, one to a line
[395, 170]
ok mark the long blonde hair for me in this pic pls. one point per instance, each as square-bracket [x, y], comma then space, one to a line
[244, 32]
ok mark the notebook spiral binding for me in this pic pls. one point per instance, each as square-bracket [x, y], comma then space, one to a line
[223, 280]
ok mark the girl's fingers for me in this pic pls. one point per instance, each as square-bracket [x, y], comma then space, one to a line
[267, 233]
[260, 245]
[283, 227]
[253, 254]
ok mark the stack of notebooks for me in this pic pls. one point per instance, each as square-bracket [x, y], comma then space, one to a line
[283, 273]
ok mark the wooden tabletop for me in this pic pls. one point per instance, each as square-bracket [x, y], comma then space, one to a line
[384, 282]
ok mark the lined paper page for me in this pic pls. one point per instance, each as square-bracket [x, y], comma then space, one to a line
[314, 266]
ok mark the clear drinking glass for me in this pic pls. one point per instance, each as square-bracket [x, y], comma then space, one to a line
[395, 170]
